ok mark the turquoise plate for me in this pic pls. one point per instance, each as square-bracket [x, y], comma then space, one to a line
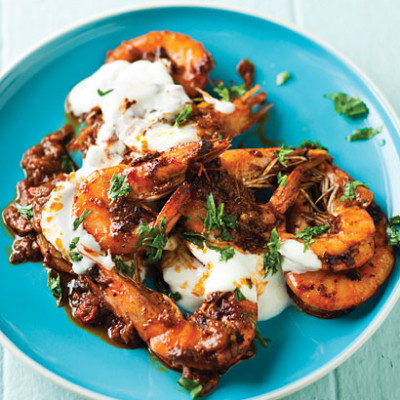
[303, 348]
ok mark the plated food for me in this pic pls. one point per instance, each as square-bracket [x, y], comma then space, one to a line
[230, 235]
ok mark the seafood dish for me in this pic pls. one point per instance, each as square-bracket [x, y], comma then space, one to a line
[157, 232]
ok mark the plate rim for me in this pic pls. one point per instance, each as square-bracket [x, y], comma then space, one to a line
[382, 313]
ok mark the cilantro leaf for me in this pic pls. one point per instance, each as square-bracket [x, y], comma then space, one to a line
[226, 252]
[67, 164]
[281, 179]
[283, 77]
[350, 190]
[308, 144]
[308, 233]
[395, 220]
[154, 238]
[125, 268]
[283, 152]
[79, 220]
[227, 93]
[119, 187]
[364, 134]
[217, 219]
[272, 259]
[184, 115]
[345, 104]
[193, 387]
[75, 255]
[25, 211]
[163, 288]
[101, 93]
[54, 284]
[393, 236]
[195, 238]
[239, 296]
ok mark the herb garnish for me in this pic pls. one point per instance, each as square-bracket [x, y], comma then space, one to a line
[163, 288]
[25, 211]
[393, 235]
[283, 77]
[239, 296]
[364, 134]
[154, 238]
[345, 104]
[308, 233]
[124, 268]
[226, 252]
[193, 387]
[101, 93]
[79, 220]
[75, 255]
[283, 152]
[54, 284]
[195, 238]
[281, 179]
[217, 219]
[308, 144]
[350, 190]
[184, 115]
[119, 187]
[227, 93]
[66, 164]
[272, 259]
[263, 341]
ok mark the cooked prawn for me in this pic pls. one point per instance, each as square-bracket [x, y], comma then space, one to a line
[350, 241]
[214, 338]
[191, 63]
[328, 294]
[115, 224]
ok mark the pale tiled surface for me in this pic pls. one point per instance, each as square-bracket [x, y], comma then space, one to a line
[368, 32]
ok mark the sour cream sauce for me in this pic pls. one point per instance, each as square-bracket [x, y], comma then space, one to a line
[195, 277]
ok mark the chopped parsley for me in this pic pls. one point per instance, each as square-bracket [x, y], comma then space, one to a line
[308, 233]
[75, 255]
[239, 296]
[283, 152]
[262, 340]
[25, 211]
[54, 284]
[364, 134]
[79, 220]
[119, 187]
[195, 238]
[163, 288]
[350, 190]
[193, 387]
[393, 235]
[226, 252]
[184, 115]
[281, 179]
[227, 93]
[101, 93]
[67, 164]
[272, 259]
[125, 268]
[283, 77]
[217, 219]
[345, 104]
[154, 238]
[308, 144]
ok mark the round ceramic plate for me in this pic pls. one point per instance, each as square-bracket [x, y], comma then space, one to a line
[303, 348]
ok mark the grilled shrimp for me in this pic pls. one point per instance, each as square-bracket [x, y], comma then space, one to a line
[212, 339]
[329, 294]
[114, 224]
[350, 241]
[191, 63]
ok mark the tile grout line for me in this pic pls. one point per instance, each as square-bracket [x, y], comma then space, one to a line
[296, 13]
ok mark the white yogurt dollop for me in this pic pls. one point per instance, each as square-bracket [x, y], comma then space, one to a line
[295, 259]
